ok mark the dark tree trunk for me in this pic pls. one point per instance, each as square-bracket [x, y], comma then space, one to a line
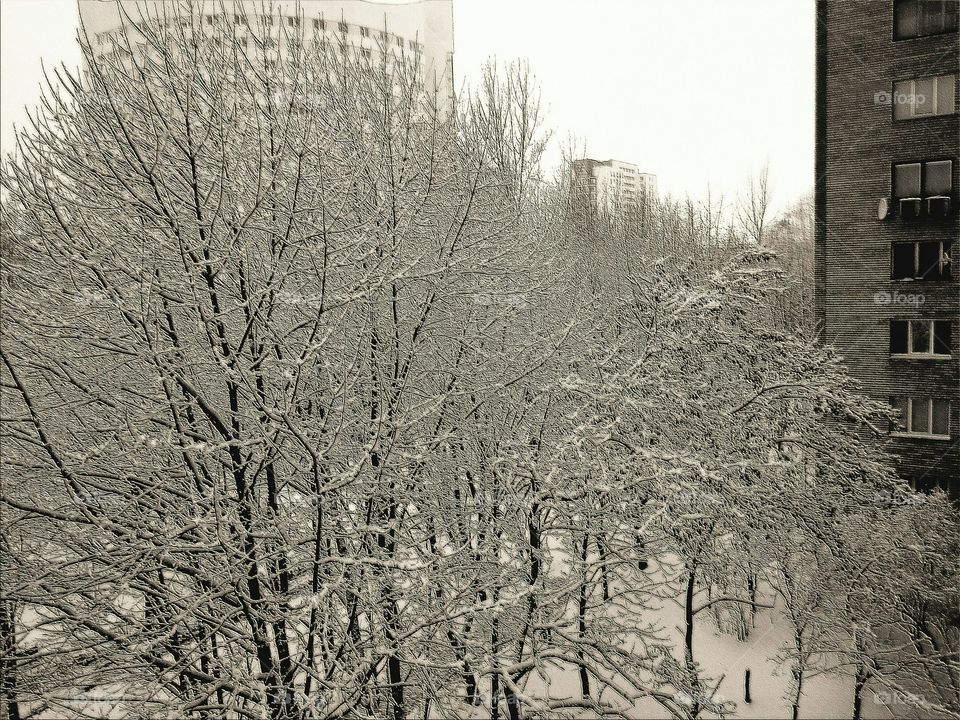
[688, 614]
[8, 660]
[582, 623]
[860, 682]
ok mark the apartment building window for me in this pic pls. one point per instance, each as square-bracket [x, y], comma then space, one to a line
[319, 25]
[364, 32]
[920, 338]
[923, 179]
[924, 97]
[922, 417]
[926, 260]
[343, 27]
[293, 21]
[923, 189]
[916, 18]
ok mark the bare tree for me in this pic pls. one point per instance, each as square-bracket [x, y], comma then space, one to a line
[258, 270]
[754, 206]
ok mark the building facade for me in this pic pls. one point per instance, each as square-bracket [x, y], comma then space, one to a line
[887, 284]
[612, 186]
[422, 29]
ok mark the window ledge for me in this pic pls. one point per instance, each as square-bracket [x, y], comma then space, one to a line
[921, 198]
[924, 117]
[924, 36]
[920, 356]
[920, 436]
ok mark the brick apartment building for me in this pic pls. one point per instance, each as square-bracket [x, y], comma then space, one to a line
[887, 270]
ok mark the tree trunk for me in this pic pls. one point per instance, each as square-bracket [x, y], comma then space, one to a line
[798, 690]
[860, 682]
[8, 660]
[582, 623]
[688, 638]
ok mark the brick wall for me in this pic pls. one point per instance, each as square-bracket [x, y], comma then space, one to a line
[857, 142]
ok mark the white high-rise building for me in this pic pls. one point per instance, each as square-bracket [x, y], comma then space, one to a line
[422, 29]
[613, 186]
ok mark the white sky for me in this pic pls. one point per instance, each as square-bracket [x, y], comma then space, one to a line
[696, 91]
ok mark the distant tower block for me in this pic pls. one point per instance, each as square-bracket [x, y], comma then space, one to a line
[612, 186]
[422, 29]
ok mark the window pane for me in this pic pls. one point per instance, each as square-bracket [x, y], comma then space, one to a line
[903, 256]
[900, 404]
[920, 336]
[939, 178]
[901, 99]
[924, 92]
[929, 260]
[898, 337]
[931, 16]
[906, 180]
[951, 11]
[941, 417]
[920, 418]
[941, 337]
[905, 22]
[945, 95]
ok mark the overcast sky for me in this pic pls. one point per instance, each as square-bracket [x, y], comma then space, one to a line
[696, 91]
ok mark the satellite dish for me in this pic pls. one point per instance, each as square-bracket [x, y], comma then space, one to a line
[883, 209]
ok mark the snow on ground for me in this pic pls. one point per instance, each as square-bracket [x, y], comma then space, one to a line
[720, 654]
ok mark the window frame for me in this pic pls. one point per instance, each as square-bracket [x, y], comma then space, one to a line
[945, 248]
[909, 432]
[919, 35]
[913, 93]
[930, 353]
[923, 177]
